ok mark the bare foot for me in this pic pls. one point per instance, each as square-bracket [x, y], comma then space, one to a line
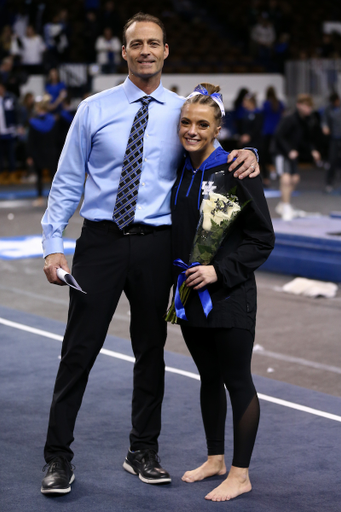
[236, 483]
[215, 465]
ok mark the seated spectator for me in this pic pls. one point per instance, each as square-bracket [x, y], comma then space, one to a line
[108, 48]
[56, 89]
[30, 49]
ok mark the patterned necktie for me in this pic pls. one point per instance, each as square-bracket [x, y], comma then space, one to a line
[126, 199]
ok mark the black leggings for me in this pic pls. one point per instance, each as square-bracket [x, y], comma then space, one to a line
[223, 357]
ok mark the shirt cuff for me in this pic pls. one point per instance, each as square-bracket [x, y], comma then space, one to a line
[254, 151]
[52, 246]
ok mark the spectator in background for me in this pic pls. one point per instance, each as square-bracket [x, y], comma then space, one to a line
[91, 31]
[25, 112]
[331, 126]
[281, 52]
[8, 129]
[56, 89]
[41, 144]
[30, 49]
[273, 109]
[5, 41]
[56, 39]
[263, 36]
[327, 48]
[108, 48]
[238, 109]
[20, 21]
[14, 77]
[65, 117]
[293, 138]
[251, 123]
[110, 17]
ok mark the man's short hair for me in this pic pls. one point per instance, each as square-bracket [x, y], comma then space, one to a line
[306, 99]
[142, 17]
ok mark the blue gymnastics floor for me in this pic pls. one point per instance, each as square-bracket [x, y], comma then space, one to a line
[295, 465]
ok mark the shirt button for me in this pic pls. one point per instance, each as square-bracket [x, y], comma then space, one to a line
[139, 207]
[147, 135]
[143, 184]
[145, 160]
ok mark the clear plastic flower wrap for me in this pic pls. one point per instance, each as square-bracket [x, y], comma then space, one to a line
[219, 208]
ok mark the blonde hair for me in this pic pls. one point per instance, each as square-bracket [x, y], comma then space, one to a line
[306, 99]
[207, 100]
[43, 102]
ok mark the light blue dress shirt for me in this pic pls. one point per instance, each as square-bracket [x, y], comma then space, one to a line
[92, 158]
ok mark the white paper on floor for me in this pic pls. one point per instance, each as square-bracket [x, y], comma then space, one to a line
[310, 288]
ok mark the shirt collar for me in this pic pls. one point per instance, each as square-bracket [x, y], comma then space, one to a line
[133, 93]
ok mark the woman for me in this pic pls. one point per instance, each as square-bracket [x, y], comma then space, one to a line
[56, 89]
[221, 344]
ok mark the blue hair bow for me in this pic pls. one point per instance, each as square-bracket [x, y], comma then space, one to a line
[216, 96]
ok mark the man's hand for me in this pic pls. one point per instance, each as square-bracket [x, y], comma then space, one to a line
[293, 154]
[316, 155]
[248, 160]
[200, 276]
[52, 263]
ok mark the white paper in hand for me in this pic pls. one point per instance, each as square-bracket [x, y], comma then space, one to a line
[68, 279]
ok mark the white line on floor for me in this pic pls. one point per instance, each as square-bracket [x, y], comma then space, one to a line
[118, 355]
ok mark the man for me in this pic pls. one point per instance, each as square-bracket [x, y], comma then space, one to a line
[293, 138]
[124, 246]
[331, 126]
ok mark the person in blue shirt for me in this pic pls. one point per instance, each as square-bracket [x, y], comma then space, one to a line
[42, 144]
[56, 89]
[108, 259]
[220, 340]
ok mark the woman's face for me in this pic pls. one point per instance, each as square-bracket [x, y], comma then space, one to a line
[198, 129]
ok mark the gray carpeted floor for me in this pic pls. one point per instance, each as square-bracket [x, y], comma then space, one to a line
[295, 466]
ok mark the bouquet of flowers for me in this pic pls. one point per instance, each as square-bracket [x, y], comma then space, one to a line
[218, 211]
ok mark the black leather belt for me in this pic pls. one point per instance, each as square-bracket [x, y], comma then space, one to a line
[133, 229]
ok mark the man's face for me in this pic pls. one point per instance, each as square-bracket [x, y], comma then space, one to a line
[144, 51]
[304, 109]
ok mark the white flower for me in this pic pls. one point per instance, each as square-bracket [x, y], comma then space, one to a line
[218, 208]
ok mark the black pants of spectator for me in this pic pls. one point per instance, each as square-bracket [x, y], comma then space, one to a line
[39, 173]
[7, 151]
[105, 264]
[265, 156]
[334, 160]
[223, 358]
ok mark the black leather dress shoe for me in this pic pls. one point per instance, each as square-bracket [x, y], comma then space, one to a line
[146, 464]
[59, 477]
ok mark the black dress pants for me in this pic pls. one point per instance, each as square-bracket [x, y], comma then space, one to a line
[105, 264]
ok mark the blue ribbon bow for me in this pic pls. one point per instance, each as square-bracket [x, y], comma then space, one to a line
[204, 295]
